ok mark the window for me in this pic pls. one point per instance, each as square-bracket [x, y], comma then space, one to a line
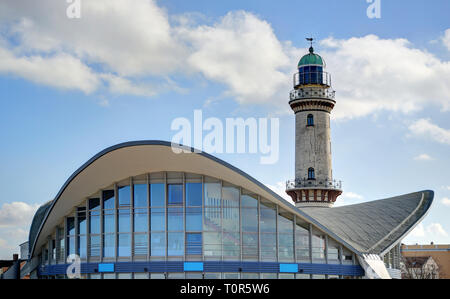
[310, 120]
[311, 174]
[140, 195]
[193, 243]
[124, 245]
[140, 244]
[158, 244]
[301, 243]
[175, 219]
[124, 197]
[175, 194]
[193, 219]
[194, 194]
[108, 199]
[157, 195]
[175, 243]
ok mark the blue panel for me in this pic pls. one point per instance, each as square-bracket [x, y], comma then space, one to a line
[288, 268]
[193, 266]
[105, 267]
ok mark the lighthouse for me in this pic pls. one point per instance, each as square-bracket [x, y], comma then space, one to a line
[312, 100]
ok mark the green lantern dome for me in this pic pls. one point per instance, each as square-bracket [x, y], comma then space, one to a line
[311, 58]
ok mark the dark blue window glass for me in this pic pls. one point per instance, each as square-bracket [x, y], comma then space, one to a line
[140, 195]
[94, 222]
[310, 120]
[194, 243]
[194, 194]
[71, 226]
[158, 219]
[311, 174]
[108, 199]
[175, 194]
[70, 245]
[157, 195]
[82, 249]
[94, 204]
[194, 219]
[81, 220]
[124, 196]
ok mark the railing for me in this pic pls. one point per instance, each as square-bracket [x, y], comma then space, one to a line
[308, 92]
[305, 78]
[304, 183]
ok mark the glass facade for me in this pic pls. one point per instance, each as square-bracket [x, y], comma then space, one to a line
[184, 217]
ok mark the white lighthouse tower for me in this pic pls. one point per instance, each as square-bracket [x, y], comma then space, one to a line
[312, 101]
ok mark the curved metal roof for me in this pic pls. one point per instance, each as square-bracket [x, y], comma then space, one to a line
[340, 224]
[374, 227]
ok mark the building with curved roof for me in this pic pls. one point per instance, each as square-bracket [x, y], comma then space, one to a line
[141, 210]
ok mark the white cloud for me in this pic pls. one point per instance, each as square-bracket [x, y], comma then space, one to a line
[446, 39]
[15, 220]
[16, 214]
[436, 229]
[242, 52]
[425, 128]
[348, 198]
[446, 201]
[372, 74]
[423, 157]
[425, 234]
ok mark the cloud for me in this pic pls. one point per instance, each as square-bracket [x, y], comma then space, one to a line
[446, 201]
[135, 47]
[372, 74]
[423, 157]
[421, 234]
[425, 128]
[15, 220]
[348, 198]
[16, 214]
[242, 52]
[446, 39]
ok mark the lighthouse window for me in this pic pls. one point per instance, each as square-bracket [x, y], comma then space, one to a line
[310, 120]
[311, 175]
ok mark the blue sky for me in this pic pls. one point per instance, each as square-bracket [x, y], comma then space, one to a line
[72, 87]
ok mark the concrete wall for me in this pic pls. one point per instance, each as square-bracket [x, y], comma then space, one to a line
[313, 145]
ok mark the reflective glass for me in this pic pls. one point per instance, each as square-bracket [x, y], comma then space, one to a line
[82, 246]
[212, 219]
[94, 204]
[301, 243]
[140, 220]
[194, 219]
[213, 194]
[140, 244]
[94, 222]
[158, 244]
[249, 220]
[249, 201]
[194, 243]
[124, 196]
[286, 247]
[175, 194]
[194, 194]
[158, 219]
[157, 195]
[213, 244]
[175, 243]
[175, 219]
[95, 246]
[140, 195]
[70, 245]
[250, 246]
[267, 219]
[82, 224]
[70, 226]
[285, 225]
[109, 222]
[231, 245]
[124, 245]
[108, 199]
[124, 221]
[230, 212]
[268, 246]
[109, 245]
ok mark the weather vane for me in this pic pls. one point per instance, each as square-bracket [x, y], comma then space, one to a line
[310, 39]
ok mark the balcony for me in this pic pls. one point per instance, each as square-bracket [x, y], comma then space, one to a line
[320, 184]
[312, 93]
[315, 78]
